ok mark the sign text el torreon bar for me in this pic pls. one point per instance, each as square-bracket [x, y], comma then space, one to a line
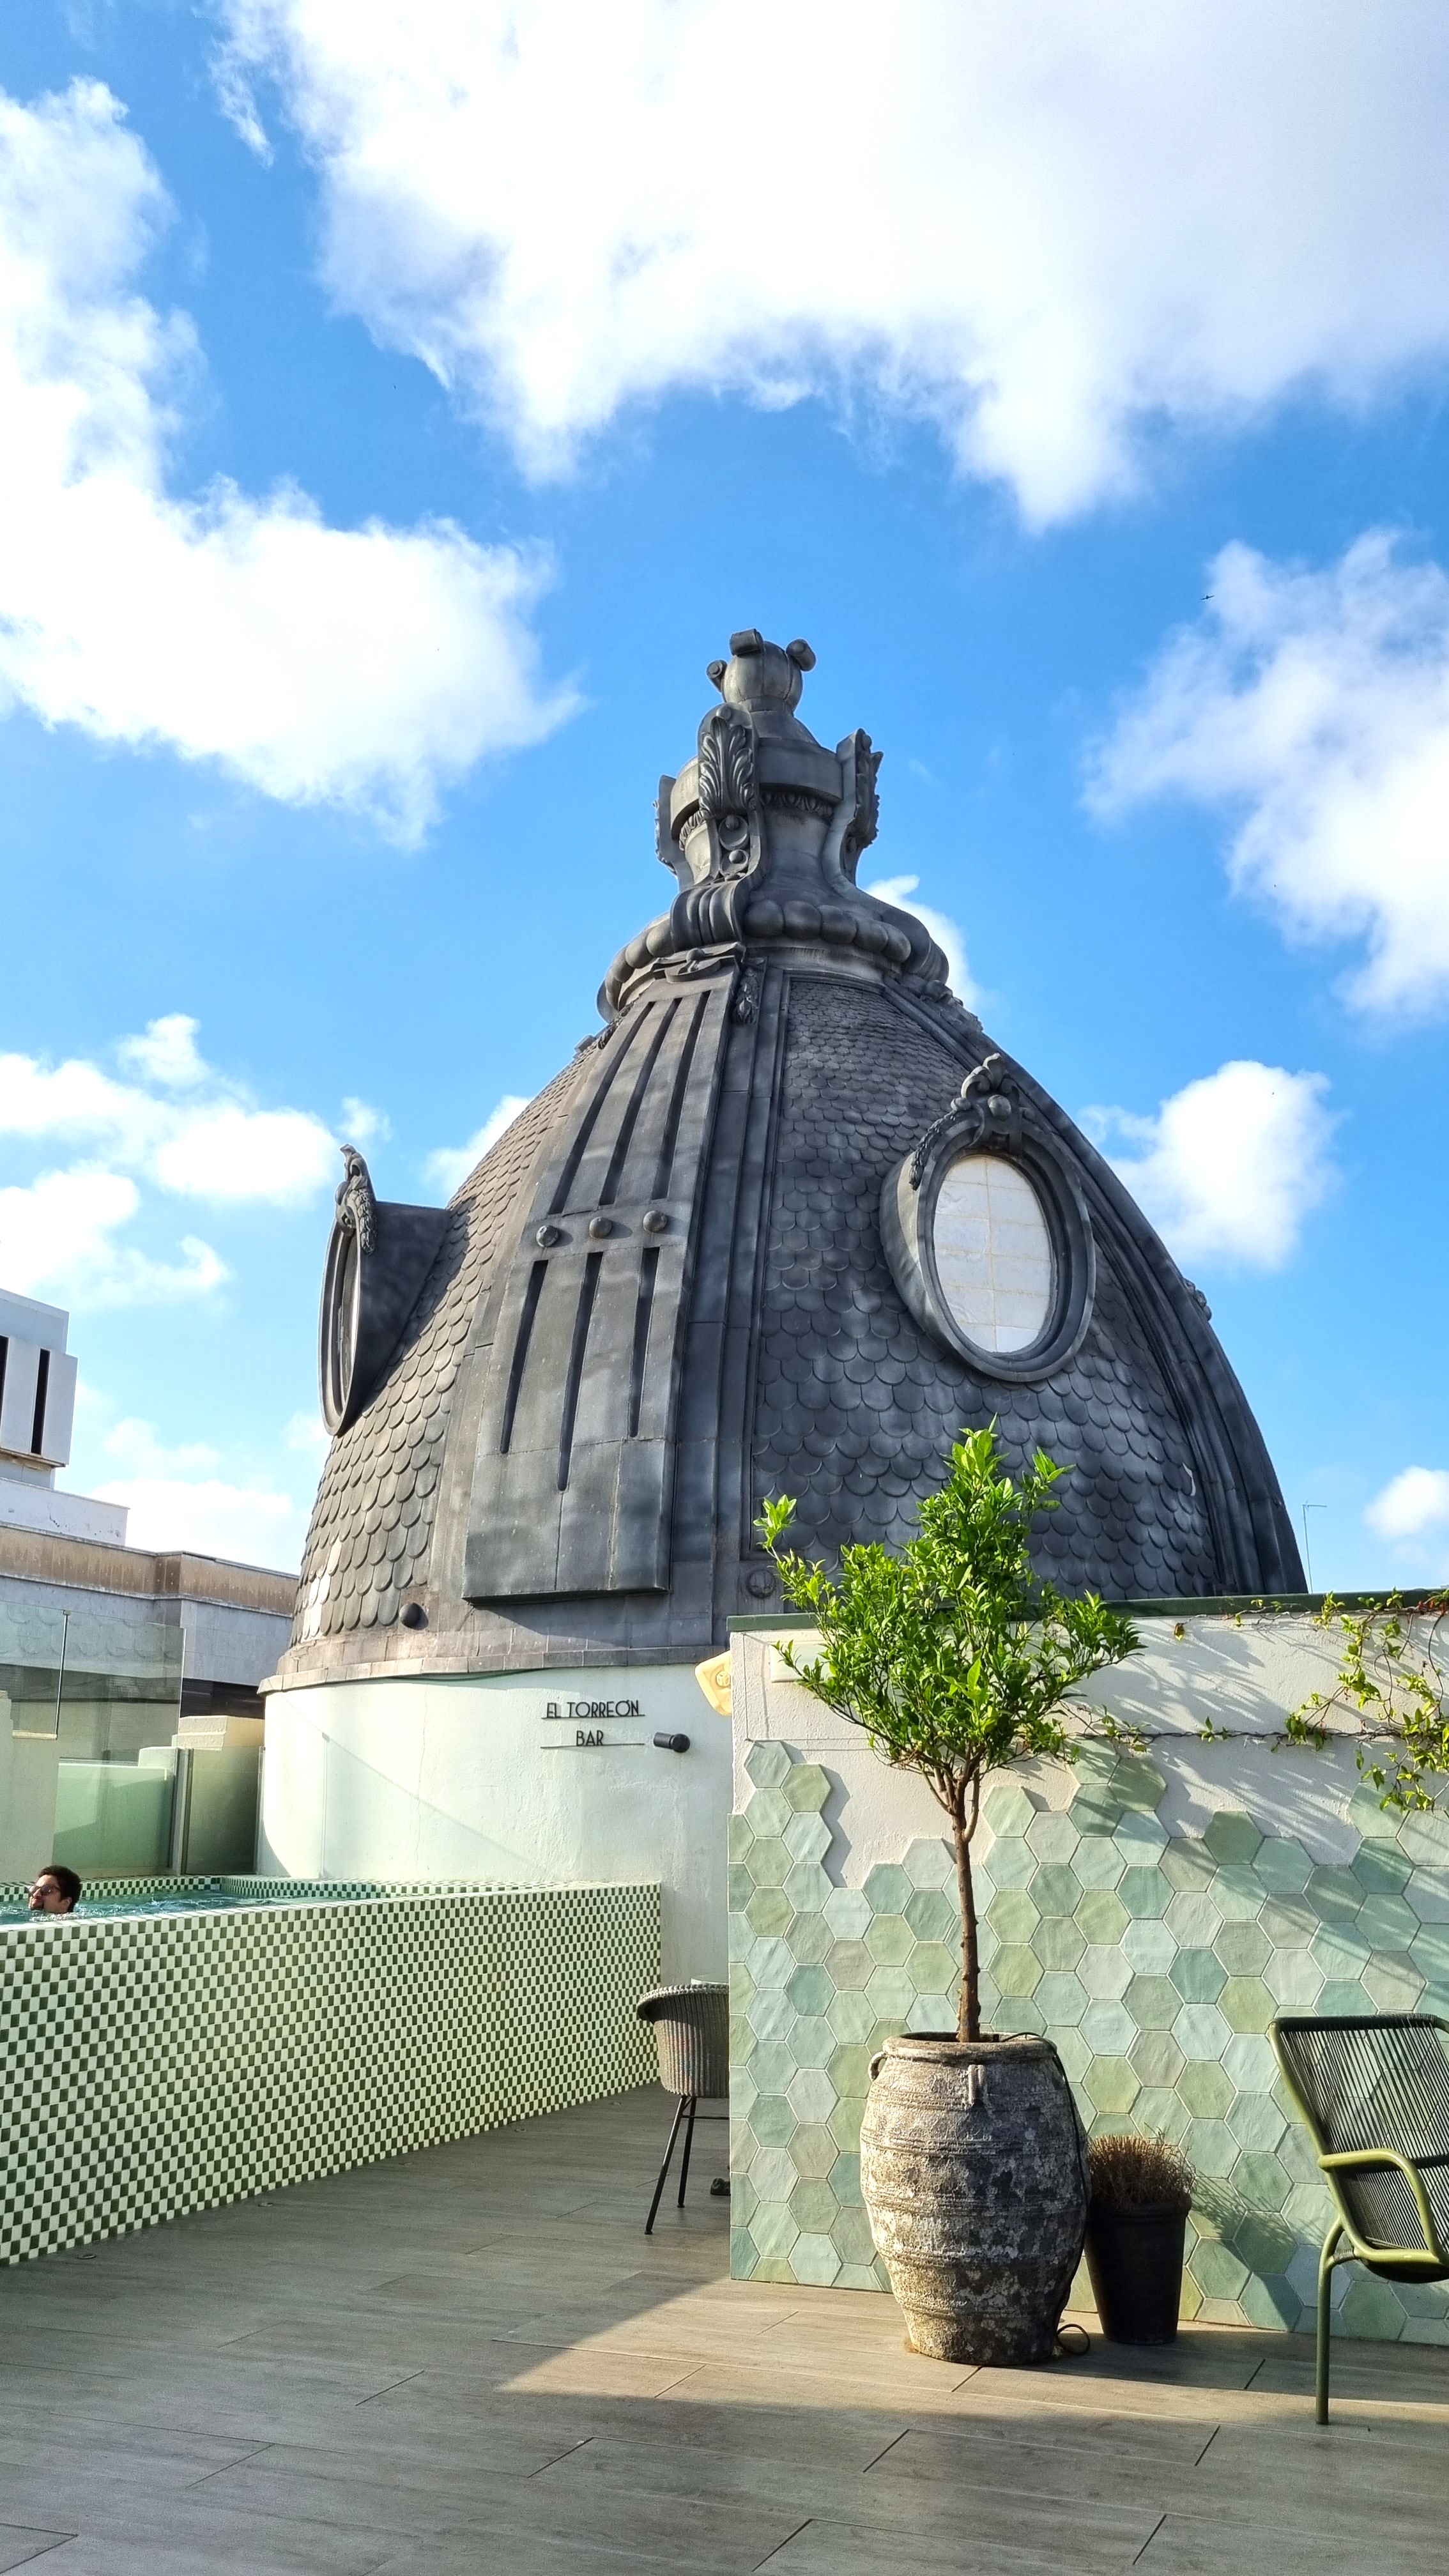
[586, 1717]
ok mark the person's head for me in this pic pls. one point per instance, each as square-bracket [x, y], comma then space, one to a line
[55, 1890]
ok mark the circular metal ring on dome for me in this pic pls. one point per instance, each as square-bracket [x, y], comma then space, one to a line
[989, 1242]
[378, 1257]
[655, 1220]
[337, 1333]
[601, 1227]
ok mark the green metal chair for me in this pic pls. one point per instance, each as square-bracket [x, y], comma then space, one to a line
[1374, 2094]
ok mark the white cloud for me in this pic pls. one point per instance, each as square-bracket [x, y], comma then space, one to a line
[947, 934]
[281, 1155]
[77, 1100]
[363, 1125]
[1231, 1166]
[1318, 704]
[166, 1054]
[1046, 228]
[448, 1166]
[309, 1436]
[1412, 1502]
[357, 667]
[133, 1443]
[176, 1498]
[59, 1235]
[182, 1127]
[237, 101]
[211, 1518]
[218, 1146]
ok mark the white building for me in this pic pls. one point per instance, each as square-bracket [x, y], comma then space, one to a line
[113, 1659]
[37, 1416]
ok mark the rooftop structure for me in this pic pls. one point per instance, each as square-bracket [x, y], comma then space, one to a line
[37, 1414]
[786, 1222]
[112, 1658]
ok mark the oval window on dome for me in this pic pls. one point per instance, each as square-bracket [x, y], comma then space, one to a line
[993, 1253]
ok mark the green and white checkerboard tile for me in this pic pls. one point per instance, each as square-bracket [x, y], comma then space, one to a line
[173, 2062]
[1154, 1962]
[14, 1891]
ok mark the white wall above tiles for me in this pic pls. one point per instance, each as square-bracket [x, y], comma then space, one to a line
[1244, 1672]
[470, 1777]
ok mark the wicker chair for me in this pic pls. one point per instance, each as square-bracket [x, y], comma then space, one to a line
[1374, 2094]
[692, 2034]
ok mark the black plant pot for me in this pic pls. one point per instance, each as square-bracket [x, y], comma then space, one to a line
[1134, 2257]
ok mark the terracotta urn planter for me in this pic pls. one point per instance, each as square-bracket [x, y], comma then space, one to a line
[972, 2169]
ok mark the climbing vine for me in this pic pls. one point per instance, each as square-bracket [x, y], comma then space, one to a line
[1393, 1671]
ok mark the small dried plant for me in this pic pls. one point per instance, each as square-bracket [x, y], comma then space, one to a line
[1139, 2173]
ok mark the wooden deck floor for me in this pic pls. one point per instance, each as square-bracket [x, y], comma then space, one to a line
[474, 2360]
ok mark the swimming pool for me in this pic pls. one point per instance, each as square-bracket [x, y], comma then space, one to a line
[115, 1900]
[196, 2043]
[200, 1900]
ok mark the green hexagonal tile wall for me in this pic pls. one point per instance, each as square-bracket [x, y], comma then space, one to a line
[1155, 1964]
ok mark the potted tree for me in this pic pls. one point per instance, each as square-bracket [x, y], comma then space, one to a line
[955, 1660]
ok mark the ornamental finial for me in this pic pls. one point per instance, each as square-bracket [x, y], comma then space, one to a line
[763, 678]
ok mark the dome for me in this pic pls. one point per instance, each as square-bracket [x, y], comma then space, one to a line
[785, 1224]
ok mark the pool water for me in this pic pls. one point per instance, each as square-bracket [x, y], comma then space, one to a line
[130, 1898]
[204, 1900]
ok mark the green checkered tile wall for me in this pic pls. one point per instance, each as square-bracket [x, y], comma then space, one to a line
[248, 1890]
[1154, 1962]
[168, 2063]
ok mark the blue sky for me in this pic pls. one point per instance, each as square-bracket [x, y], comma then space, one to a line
[399, 408]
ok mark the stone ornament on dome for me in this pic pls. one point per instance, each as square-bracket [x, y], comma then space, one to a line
[356, 1203]
[985, 1112]
[764, 829]
[759, 675]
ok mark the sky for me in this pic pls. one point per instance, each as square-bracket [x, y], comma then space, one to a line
[401, 401]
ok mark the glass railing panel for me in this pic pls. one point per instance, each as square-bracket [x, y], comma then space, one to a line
[120, 1703]
[92, 1695]
[32, 1661]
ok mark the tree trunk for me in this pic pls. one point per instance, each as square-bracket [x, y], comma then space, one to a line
[968, 2010]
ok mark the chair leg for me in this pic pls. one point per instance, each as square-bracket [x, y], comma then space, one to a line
[1325, 2291]
[664, 2168]
[688, 2143]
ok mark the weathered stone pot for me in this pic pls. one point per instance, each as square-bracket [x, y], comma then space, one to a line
[973, 2172]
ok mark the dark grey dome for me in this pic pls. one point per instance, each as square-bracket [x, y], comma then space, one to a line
[784, 1225]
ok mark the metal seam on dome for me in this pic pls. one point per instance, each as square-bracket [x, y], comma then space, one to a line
[668, 1143]
[613, 1068]
[629, 1121]
[583, 1317]
[524, 1335]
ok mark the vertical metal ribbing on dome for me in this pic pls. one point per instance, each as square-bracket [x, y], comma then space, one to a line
[574, 1476]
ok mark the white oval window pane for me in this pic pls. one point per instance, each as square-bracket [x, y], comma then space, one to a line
[993, 1253]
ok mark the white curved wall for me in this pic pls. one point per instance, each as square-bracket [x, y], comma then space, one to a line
[470, 1778]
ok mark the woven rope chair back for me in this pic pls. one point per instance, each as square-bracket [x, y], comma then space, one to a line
[1378, 2083]
[692, 2035]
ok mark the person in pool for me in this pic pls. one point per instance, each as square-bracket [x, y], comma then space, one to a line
[55, 1890]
